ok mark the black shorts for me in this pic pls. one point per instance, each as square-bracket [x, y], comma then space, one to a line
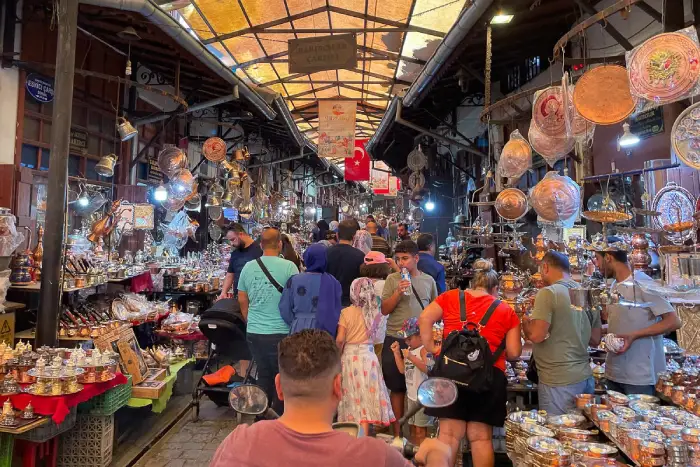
[395, 381]
[487, 407]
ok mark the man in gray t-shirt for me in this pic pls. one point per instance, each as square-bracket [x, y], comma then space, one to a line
[400, 301]
[642, 323]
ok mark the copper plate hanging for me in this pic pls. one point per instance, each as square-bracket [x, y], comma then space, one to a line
[685, 136]
[550, 148]
[665, 68]
[511, 204]
[548, 112]
[602, 95]
[516, 156]
[214, 149]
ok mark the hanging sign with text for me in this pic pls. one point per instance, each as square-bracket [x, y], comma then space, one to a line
[336, 129]
[648, 123]
[78, 140]
[39, 87]
[314, 54]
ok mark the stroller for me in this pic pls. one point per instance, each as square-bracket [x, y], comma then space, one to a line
[224, 326]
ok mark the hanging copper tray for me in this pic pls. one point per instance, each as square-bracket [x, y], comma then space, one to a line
[676, 205]
[548, 112]
[602, 95]
[606, 216]
[516, 156]
[685, 136]
[665, 68]
[550, 148]
[214, 149]
[511, 204]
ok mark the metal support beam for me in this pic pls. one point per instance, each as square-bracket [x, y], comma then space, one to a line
[279, 161]
[649, 10]
[190, 109]
[607, 27]
[51, 284]
[437, 136]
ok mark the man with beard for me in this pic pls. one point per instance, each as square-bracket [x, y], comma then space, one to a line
[403, 232]
[245, 249]
[635, 367]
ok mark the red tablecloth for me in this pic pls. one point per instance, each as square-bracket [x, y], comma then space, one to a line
[192, 336]
[59, 406]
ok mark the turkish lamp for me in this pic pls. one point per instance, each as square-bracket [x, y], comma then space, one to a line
[160, 193]
[627, 139]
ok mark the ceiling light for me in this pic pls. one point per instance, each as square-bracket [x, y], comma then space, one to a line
[161, 193]
[83, 201]
[501, 18]
[628, 139]
[429, 206]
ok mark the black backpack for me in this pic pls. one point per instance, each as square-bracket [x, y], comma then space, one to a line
[466, 357]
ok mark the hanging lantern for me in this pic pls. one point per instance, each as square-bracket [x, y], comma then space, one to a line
[126, 129]
[105, 167]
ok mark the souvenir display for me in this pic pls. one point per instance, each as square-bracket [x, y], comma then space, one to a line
[551, 148]
[144, 215]
[555, 197]
[214, 149]
[516, 157]
[666, 67]
[677, 206]
[602, 95]
[549, 113]
[685, 136]
[511, 204]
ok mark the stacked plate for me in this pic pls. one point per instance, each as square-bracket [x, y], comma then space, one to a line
[677, 453]
[691, 437]
[517, 448]
[545, 451]
[652, 454]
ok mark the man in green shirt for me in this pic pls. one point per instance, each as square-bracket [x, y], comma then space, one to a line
[561, 335]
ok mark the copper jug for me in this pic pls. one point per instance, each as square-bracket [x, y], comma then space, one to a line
[38, 253]
[105, 225]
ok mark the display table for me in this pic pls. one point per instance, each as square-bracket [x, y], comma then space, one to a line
[59, 406]
[617, 444]
[158, 405]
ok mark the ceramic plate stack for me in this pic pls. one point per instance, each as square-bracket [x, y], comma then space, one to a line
[547, 452]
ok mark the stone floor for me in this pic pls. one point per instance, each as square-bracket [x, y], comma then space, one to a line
[190, 444]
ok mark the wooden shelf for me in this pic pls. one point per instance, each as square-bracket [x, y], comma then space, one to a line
[14, 306]
[30, 334]
[36, 286]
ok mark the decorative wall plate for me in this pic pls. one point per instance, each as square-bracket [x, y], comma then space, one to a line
[555, 197]
[516, 156]
[685, 136]
[602, 95]
[171, 159]
[416, 160]
[664, 68]
[511, 204]
[548, 112]
[416, 180]
[550, 148]
[676, 205]
[214, 149]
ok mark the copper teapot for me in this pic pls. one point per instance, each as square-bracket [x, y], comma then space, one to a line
[105, 225]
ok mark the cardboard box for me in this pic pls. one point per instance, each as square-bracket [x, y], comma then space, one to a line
[156, 374]
[148, 390]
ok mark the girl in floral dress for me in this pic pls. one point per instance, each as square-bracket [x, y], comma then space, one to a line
[365, 397]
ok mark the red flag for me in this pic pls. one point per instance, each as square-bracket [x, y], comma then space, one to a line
[357, 167]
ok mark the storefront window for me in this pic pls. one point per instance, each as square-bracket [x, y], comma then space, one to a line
[45, 160]
[74, 166]
[30, 156]
[90, 170]
[31, 129]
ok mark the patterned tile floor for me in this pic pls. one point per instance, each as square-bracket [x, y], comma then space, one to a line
[190, 444]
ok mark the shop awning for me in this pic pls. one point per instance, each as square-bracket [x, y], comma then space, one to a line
[395, 39]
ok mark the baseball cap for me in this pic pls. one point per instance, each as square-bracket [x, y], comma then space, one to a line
[409, 328]
[375, 257]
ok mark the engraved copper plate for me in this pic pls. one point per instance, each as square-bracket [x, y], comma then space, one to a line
[550, 148]
[516, 156]
[548, 112]
[170, 160]
[555, 197]
[685, 136]
[576, 124]
[511, 204]
[664, 68]
[602, 95]
[676, 205]
[214, 149]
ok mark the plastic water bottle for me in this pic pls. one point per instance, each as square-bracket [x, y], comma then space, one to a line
[405, 276]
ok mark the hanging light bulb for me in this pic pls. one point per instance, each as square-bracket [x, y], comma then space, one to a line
[84, 200]
[429, 206]
[161, 193]
[628, 139]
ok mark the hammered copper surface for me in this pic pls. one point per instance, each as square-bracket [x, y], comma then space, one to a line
[606, 216]
[555, 197]
[676, 204]
[214, 149]
[665, 68]
[550, 148]
[170, 160]
[602, 95]
[511, 204]
[548, 112]
[685, 136]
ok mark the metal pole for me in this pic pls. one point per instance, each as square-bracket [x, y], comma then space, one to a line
[50, 293]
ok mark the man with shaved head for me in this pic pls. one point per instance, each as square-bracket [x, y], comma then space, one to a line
[259, 292]
[378, 242]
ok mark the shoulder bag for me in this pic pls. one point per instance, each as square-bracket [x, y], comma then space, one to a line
[272, 280]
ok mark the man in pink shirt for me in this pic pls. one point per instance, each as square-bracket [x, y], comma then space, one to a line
[309, 384]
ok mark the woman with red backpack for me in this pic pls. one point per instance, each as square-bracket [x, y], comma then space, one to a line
[482, 397]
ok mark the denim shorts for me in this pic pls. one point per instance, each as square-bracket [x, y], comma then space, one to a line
[559, 400]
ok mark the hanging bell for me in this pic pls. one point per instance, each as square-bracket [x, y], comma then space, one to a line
[213, 201]
[105, 167]
[126, 129]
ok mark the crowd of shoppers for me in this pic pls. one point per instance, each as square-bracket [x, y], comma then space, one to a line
[380, 301]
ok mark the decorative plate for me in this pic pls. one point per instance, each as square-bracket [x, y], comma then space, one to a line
[416, 180]
[685, 136]
[511, 204]
[602, 95]
[516, 156]
[664, 68]
[214, 149]
[215, 212]
[606, 216]
[555, 197]
[548, 112]
[416, 160]
[550, 148]
[533, 429]
[676, 205]
[170, 160]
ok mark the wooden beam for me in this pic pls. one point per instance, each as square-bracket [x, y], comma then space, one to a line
[649, 10]
[673, 15]
[388, 22]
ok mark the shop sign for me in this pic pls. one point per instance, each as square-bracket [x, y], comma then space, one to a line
[648, 123]
[39, 87]
[336, 129]
[154, 173]
[314, 54]
[78, 140]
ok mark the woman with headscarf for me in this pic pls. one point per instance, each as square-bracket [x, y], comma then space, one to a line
[363, 241]
[311, 300]
[365, 398]
[288, 251]
[319, 232]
